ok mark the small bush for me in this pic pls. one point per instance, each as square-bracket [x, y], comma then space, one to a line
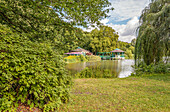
[74, 59]
[71, 59]
[162, 68]
[82, 58]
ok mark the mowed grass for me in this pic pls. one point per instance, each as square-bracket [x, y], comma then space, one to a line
[132, 94]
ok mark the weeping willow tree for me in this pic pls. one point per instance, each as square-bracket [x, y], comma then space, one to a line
[153, 34]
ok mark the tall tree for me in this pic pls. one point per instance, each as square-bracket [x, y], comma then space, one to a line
[103, 40]
[44, 18]
[133, 42]
[123, 45]
[153, 36]
[54, 20]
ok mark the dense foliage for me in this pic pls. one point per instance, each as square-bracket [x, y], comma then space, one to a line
[53, 20]
[33, 34]
[158, 68]
[47, 18]
[30, 73]
[128, 48]
[103, 40]
[153, 37]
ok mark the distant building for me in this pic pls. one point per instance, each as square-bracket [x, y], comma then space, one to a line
[73, 53]
[115, 54]
[79, 51]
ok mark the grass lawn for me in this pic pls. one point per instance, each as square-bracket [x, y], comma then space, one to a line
[132, 94]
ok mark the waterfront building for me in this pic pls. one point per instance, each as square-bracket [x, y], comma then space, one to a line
[79, 51]
[115, 54]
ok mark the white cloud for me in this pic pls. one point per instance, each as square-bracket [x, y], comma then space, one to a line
[126, 9]
[104, 21]
[131, 26]
[126, 32]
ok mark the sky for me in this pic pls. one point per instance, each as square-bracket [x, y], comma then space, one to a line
[125, 17]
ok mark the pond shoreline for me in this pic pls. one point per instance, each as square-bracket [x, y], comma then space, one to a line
[117, 68]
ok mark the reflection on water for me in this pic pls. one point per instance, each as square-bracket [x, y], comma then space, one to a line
[119, 68]
[126, 68]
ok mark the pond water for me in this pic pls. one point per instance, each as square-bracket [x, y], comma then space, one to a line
[117, 68]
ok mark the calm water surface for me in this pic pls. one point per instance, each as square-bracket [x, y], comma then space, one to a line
[119, 68]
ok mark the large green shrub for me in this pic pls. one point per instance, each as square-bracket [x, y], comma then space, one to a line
[30, 73]
[142, 68]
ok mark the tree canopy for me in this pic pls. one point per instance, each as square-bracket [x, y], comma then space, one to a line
[45, 18]
[103, 40]
[153, 37]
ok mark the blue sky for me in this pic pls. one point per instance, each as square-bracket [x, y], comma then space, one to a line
[119, 22]
[125, 17]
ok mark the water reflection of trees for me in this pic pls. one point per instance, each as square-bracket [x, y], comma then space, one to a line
[111, 68]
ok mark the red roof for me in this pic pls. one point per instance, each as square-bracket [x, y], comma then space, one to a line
[89, 53]
[117, 50]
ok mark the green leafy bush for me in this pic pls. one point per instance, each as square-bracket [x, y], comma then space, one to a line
[142, 68]
[129, 54]
[30, 73]
[162, 68]
[74, 59]
[86, 73]
[82, 58]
